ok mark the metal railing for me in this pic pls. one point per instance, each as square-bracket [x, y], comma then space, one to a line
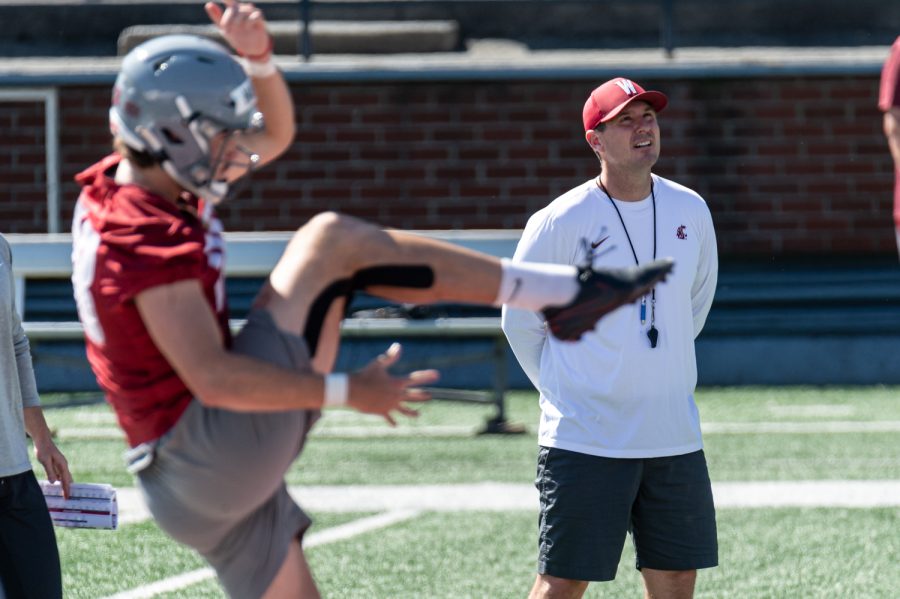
[40, 256]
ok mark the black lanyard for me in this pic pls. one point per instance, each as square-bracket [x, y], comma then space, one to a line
[652, 334]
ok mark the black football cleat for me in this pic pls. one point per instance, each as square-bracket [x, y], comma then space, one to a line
[601, 292]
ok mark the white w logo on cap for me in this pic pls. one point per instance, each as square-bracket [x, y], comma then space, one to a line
[627, 86]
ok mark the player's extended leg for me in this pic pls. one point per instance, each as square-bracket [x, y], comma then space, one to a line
[333, 247]
[333, 254]
[323, 261]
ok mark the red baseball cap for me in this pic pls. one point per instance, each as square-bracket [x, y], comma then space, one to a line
[609, 99]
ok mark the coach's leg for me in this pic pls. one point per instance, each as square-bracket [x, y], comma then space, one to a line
[551, 587]
[668, 584]
[294, 579]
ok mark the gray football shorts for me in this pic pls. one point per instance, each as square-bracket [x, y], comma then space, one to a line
[215, 481]
[590, 503]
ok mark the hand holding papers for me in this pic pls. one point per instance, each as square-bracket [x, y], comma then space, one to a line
[89, 505]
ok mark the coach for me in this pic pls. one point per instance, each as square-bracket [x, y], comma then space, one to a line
[620, 445]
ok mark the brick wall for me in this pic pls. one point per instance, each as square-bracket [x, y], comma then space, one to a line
[23, 199]
[789, 166]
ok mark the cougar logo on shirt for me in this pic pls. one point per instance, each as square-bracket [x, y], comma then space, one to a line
[681, 233]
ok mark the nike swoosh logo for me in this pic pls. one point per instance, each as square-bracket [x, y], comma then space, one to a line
[596, 244]
[516, 286]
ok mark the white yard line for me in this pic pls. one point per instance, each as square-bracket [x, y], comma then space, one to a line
[329, 535]
[817, 427]
[90, 432]
[166, 585]
[131, 505]
[511, 496]
[358, 527]
[379, 431]
[486, 496]
[812, 493]
[375, 431]
[523, 496]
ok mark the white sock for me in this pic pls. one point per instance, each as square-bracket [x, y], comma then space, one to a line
[535, 285]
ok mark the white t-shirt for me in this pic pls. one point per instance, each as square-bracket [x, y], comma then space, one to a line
[611, 394]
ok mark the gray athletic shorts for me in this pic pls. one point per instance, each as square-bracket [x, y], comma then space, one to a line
[589, 503]
[215, 481]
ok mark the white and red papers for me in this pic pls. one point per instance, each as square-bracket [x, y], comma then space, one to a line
[90, 505]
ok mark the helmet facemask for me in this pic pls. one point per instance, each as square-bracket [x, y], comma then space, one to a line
[229, 154]
[197, 151]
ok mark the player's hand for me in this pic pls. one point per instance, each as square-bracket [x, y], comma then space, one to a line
[242, 25]
[374, 391]
[55, 464]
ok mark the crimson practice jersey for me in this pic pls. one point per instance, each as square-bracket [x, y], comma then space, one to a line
[888, 99]
[126, 240]
[889, 91]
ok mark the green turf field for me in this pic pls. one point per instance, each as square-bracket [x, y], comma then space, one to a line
[764, 552]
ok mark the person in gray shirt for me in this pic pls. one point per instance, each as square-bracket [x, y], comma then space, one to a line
[29, 557]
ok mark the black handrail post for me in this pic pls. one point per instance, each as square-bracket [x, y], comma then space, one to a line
[501, 379]
[667, 26]
[305, 42]
[498, 425]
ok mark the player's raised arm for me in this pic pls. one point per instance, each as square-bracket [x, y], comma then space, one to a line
[243, 26]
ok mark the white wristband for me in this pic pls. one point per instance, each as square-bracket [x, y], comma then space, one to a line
[259, 70]
[337, 387]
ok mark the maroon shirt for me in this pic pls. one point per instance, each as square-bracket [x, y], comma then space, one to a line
[889, 97]
[889, 93]
[126, 240]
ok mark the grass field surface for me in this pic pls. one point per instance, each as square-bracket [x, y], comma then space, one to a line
[840, 434]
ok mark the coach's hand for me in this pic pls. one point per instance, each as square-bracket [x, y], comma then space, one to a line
[243, 26]
[54, 462]
[374, 391]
